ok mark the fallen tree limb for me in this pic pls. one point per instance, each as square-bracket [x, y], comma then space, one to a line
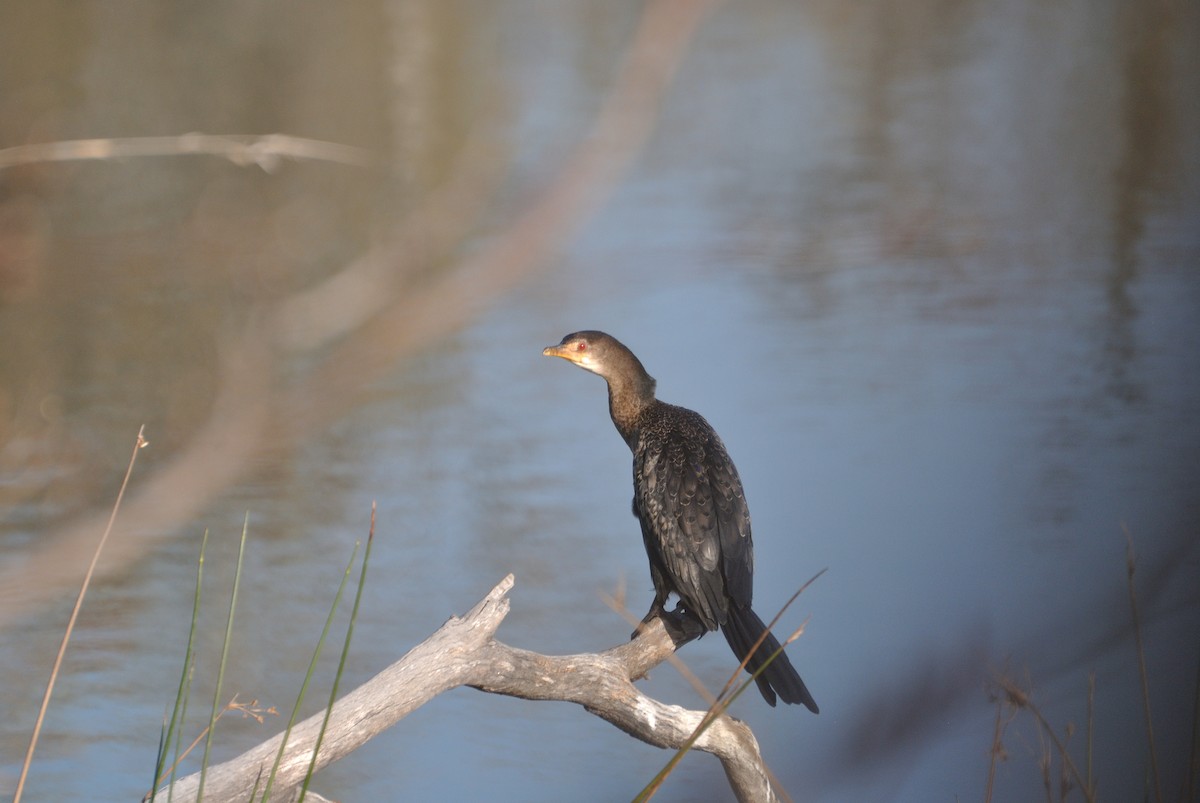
[464, 652]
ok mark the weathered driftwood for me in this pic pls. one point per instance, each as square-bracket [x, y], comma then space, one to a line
[464, 652]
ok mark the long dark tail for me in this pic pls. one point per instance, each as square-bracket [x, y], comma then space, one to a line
[742, 628]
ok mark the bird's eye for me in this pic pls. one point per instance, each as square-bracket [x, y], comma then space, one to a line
[581, 346]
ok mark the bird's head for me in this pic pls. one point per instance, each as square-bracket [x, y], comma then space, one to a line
[585, 349]
[606, 356]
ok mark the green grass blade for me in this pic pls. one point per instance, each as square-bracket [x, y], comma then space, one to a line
[191, 671]
[312, 665]
[254, 790]
[710, 716]
[362, 579]
[725, 698]
[184, 685]
[212, 720]
[164, 744]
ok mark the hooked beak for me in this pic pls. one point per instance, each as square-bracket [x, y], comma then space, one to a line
[574, 356]
[559, 351]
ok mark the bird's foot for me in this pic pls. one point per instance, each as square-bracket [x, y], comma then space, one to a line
[680, 625]
[655, 610]
[689, 626]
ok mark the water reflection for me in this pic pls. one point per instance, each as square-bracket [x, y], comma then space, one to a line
[926, 269]
[1143, 172]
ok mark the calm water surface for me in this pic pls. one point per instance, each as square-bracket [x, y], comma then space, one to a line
[931, 275]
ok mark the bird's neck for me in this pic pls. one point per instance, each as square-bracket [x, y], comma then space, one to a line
[628, 397]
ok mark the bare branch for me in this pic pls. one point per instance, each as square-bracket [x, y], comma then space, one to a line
[464, 652]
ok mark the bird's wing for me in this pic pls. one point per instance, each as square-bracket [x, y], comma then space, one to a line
[689, 494]
[733, 519]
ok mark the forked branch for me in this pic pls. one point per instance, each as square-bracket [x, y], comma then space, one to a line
[465, 652]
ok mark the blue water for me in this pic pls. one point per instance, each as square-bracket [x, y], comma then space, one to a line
[918, 274]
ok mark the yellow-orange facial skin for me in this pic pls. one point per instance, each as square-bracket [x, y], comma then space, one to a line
[571, 352]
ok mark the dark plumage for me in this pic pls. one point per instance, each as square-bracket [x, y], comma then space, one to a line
[695, 522]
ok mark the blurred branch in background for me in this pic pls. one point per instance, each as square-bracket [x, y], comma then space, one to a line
[380, 308]
[266, 151]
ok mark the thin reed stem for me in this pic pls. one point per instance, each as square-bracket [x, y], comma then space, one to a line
[725, 699]
[1130, 565]
[62, 648]
[362, 580]
[616, 603]
[212, 721]
[312, 666]
[997, 748]
[178, 714]
[1018, 698]
[770, 626]
[710, 716]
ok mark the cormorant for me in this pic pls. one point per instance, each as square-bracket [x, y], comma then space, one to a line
[695, 522]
